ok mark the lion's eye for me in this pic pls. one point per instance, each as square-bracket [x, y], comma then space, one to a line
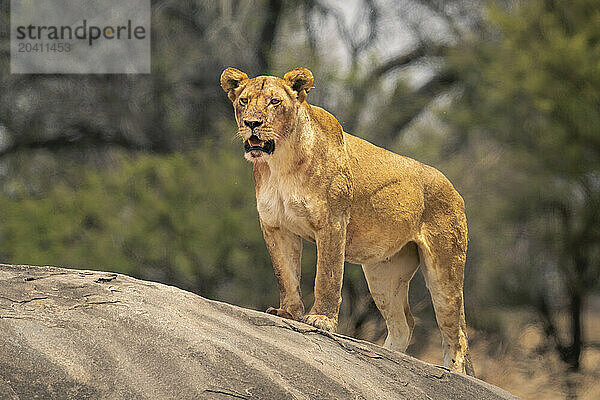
[275, 102]
[243, 101]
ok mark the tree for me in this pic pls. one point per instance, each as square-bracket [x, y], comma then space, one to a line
[532, 84]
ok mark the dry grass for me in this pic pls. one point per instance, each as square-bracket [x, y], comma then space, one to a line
[526, 366]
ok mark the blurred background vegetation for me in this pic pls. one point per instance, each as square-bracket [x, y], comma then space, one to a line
[142, 174]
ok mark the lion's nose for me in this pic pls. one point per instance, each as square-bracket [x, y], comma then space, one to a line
[252, 123]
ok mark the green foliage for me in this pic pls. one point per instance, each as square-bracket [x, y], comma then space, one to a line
[188, 219]
[521, 144]
[185, 219]
[531, 96]
[538, 87]
[537, 91]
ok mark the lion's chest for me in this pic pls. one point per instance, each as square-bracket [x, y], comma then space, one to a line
[284, 204]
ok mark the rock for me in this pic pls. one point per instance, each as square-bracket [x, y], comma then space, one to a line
[73, 334]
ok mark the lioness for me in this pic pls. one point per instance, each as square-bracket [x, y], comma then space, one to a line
[359, 203]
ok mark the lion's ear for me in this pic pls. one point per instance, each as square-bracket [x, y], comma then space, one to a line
[301, 81]
[231, 79]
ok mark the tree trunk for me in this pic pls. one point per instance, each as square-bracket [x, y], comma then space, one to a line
[572, 354]
[267, 37]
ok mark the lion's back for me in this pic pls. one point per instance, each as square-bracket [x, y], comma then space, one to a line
[374, 166]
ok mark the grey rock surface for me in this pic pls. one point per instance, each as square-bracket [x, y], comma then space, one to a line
[73, 334]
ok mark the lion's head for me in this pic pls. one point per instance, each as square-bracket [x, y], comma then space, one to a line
[265, 107]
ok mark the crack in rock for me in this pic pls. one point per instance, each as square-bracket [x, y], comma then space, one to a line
[24, 301]
[35, 278]
[104, 279]
[226, 392]
[93, 303]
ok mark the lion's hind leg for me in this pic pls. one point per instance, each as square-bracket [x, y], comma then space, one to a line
[443, 257]
[388, 283]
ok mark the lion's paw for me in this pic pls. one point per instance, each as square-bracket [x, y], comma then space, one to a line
[280, 312]
[321, 321]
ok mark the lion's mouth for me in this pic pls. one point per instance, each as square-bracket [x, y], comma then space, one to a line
[255, 144]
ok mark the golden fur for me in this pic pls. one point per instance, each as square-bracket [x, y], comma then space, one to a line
[359, 203]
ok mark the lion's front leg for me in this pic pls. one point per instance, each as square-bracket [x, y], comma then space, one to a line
[330, 272]
[286, 250]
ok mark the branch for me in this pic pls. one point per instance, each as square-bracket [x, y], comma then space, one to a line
[361, 90]
[416, 102]
[402, 60]
[438, 10]
[373, 13]
[84, 137]
[354, 46]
